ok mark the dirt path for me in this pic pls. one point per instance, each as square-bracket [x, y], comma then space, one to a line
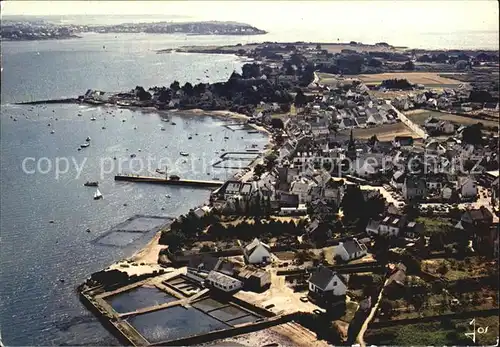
[362, 331]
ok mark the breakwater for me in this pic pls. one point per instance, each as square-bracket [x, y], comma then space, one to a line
[161, 180]
[51, 101]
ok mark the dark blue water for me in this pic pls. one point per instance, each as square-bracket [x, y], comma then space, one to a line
[138, 298]
[173, 323]
[35, 307]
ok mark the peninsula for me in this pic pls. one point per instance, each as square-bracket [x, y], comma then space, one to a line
[42, 30]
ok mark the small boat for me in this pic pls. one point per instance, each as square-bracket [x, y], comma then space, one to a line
[162, 129]
[84, 145]
[226, 137]
[184, 154]
[123, 120]
[88, 139]
[132, 155]
[88, 230]
[173, 123]
[47, 124]
[91, 184]
[52, 131]
[103, 128]
[93, 118]
[97, 195]
[139, 150]
[165, 120]
[174, 177]
[161, 172]
[190, 137]
[79, 114]
[135, 128]
[79, 149]
[167, 196]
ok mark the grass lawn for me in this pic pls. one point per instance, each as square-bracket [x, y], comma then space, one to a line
[351, 308]
[428, 79]
[457, 269]
[385, 132]
[419, 117]
[424, 334]
[439, 333]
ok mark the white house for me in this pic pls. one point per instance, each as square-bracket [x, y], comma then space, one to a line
[350, 250]
[446, 193]
[325, 282]
[467, 187]
[392, 225]
[257, 252]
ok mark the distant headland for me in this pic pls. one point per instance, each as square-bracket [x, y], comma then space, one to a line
[14, 30]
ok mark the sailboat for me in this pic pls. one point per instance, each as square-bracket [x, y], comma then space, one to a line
[97, 195]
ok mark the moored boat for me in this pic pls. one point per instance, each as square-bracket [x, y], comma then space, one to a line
[84, 145]
[184, 154]
[97, 195]
[91, 184]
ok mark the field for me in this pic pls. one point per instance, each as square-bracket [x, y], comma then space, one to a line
[419, 117]
[428, 79]
[444, 332]
[385, 132]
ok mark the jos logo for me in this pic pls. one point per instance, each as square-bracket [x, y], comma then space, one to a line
[479, 330]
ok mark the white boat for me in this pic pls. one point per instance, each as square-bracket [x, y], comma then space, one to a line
[52, 131]
[184, 154]
[162, 129]
[88, 139]
[97, 195]
[93, 118]
[84, 145]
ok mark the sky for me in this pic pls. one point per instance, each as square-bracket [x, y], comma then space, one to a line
[410, 15]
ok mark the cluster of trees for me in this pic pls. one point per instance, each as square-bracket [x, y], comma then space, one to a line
[264, 230]
[443, 237]
[142, 94]
[357, 209]
[396, 84]
[186, 229]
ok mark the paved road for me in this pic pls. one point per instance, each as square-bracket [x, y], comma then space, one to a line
[414, 127]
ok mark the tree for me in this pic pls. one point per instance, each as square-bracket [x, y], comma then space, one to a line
[188, 89]
[473, 134]
[408, 66]
[351, 203]
[277, 123]
[285, 107]
[374, 62]
[386, 307]
[165, 95]
[251, 70]
[142, 94]
[175, 86]
[300, 99]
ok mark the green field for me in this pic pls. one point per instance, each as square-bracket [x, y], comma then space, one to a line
[419, 117]
[439, 333]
